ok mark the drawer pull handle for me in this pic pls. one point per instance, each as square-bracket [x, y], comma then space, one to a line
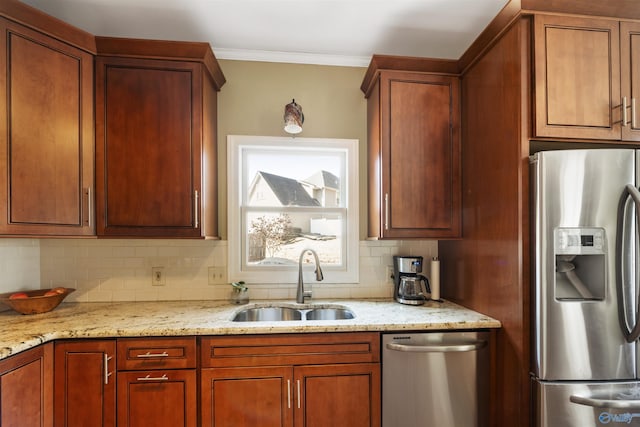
[164, 377]
[148, 354]
[298, 381]
[288, 394]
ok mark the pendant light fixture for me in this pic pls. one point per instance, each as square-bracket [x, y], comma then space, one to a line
[293, 118]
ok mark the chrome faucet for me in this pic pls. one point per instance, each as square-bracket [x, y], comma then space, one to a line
[302, 294]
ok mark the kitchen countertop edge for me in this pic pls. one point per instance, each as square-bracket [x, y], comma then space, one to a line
[198, 318]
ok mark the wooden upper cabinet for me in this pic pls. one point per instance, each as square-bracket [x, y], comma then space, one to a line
[577, 78]
[46, 123]
[156, 138]
[414, 156]
[630, 72]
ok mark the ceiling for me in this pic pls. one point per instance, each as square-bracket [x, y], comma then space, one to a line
[330, 32]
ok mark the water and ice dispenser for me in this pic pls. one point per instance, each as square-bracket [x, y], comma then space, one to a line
[580, 257]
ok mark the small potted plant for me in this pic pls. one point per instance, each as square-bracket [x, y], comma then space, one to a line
[239, 293]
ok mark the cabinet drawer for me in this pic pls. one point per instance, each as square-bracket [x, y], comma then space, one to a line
[156, 353]
[290, 349]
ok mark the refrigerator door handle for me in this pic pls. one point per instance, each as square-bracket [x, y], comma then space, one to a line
[605, 403]
[631, 334]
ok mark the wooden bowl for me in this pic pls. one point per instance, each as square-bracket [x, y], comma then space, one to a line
[37, 302]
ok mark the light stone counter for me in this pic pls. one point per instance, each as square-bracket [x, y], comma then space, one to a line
[176, 318]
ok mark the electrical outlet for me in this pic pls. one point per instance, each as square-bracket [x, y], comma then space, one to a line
[157, 276]
[217, 275]
[389, 274]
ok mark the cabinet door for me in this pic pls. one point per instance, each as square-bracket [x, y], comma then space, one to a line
[85, 392]
[338, 395]
[26, 381]
[630, 72]
[420, 156]
[577, 78]
[148, 149]
[247, 397]
[46, 119]
[157, 398]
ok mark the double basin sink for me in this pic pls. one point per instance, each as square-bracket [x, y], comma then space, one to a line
[283, 313]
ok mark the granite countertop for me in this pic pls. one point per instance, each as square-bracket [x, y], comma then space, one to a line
[177, 318]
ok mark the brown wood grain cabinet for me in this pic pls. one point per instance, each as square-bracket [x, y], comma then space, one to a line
[413, 123]
[586, 78]
[291, 380]
[630, 72]
[85, 383]
[46, 119]
[26, 384]
[156, 110]
[157, 382]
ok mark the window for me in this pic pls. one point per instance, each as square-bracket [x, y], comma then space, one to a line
[287, 195]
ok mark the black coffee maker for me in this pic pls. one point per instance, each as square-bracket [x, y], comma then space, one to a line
[410, 287]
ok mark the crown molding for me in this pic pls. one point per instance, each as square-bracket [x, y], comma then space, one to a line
[292, 57]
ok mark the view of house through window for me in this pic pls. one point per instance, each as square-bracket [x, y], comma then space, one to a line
[289, 195]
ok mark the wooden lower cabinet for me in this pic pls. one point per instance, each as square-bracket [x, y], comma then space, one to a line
[157, 383]
[310, 380]
[157, 398]
[338, 395]
[312, 396]
[85, 384]
[247, 396]
[26, 381]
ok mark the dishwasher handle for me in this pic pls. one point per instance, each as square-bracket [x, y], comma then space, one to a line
[438, 348]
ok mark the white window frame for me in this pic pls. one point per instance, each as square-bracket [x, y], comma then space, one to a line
[349, 272]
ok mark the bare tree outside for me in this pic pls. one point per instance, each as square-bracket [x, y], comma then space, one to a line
[274, 231]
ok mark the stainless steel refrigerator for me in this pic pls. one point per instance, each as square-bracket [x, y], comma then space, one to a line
[585, 367]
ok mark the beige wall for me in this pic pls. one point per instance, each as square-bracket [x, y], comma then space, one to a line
[253, 99]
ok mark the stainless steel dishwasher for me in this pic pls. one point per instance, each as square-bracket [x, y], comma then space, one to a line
[435, 379]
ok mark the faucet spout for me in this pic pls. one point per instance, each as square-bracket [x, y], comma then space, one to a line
[302, 294]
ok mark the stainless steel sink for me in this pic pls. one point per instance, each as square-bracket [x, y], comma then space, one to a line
[267, 314]
[275, 314]
[329, 314]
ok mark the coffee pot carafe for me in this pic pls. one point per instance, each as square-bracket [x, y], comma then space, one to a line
[410, 287]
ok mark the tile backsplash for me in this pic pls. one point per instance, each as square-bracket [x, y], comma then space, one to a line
[19, 264]
[120, 269]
